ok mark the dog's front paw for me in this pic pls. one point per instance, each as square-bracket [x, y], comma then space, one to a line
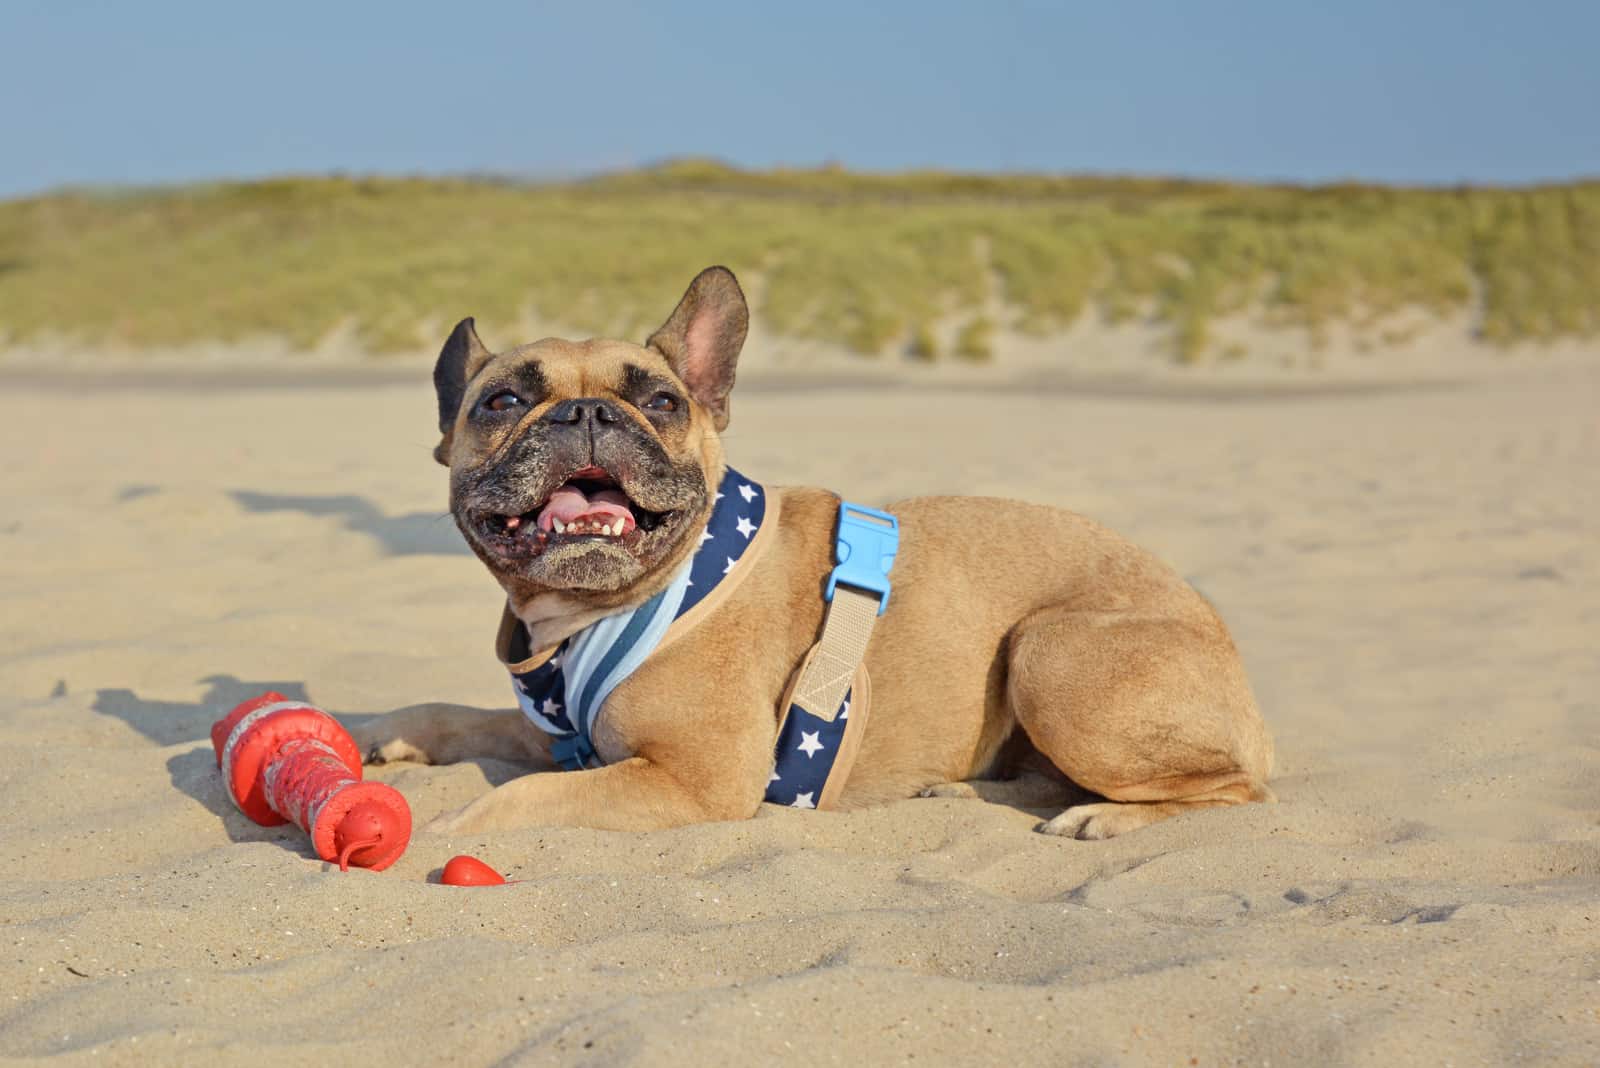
[378, 744]
[394, 751]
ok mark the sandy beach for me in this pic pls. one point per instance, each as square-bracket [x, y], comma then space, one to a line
[1409, 572]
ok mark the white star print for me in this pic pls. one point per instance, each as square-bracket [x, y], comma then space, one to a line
[809, 744]
[747, 492]
[775, 776]
[804, 800]
[731, 562]
[549, 709]
[717, 498]
[745, 527]
[705, 535]
[844, 712]
[554, 661]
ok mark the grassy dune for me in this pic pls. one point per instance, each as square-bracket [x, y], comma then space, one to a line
[871, 262]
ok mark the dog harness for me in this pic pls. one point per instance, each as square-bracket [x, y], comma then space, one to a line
[563, 690]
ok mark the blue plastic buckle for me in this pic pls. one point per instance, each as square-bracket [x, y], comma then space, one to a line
[864, 549]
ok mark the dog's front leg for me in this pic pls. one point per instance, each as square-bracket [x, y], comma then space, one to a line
[631, 795]
[437, 733]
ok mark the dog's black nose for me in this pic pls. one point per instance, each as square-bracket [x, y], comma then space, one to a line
[584, 410]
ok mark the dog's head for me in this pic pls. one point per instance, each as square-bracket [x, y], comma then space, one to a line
[589, 467]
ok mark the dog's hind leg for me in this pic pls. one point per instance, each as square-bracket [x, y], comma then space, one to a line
[1152, 713]
[1019, 776]
[1029, 789]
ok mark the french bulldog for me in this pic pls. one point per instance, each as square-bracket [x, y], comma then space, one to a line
[1078, 672]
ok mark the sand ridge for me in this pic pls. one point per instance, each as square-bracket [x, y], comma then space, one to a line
[1409, 574]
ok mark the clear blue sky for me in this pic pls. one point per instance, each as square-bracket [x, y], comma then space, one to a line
[153, 92]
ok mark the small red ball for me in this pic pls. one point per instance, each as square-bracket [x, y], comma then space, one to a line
[470, 871]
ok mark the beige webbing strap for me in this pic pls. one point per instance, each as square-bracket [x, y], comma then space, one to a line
[843, 645]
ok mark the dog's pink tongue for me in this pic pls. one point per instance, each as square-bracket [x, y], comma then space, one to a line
[569, 503]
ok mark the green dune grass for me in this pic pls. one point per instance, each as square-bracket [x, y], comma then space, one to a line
[870, 262]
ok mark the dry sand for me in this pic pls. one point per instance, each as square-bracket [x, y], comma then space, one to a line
[1411, 575]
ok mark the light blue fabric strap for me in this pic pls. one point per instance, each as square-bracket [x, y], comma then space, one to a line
[601, 656]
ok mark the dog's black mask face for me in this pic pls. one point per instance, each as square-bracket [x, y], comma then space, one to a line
[581, 466]
[590, 467]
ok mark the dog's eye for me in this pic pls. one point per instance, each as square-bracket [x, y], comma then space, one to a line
[503, 401]
[662, 402]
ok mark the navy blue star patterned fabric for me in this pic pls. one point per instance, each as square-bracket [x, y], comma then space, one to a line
[563, 695]
[806, 750]
[739, 511]
[740, 508]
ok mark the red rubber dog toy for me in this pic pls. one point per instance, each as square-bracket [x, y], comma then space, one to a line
[287, 761]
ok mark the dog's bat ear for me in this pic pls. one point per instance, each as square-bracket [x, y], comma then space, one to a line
[462, 357]
[702, 338]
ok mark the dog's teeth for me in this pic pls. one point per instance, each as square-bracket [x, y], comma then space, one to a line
[561, 528]
[615, 530]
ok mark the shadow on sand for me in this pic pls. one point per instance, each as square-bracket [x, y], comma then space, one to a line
[413, 534]
[194, 771]
[175, 722]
